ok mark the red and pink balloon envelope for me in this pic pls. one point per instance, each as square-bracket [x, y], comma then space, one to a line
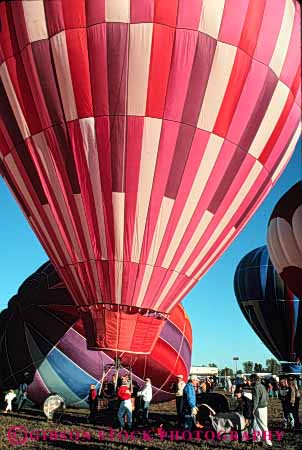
[139, 137]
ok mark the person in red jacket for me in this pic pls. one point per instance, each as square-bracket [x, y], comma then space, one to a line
[93, 403]
[124, 394]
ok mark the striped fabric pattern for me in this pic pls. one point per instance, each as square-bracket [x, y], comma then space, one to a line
[69, 368]
[272, 310]
[140, 136]
[41, 333]
[284, 238]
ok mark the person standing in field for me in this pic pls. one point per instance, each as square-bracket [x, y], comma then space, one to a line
[180, 385]
[125, 409]
[146, 395]
[10, 396]
[294, 401]
[93, 402]
[189, 407]
[260, 402]
[285, 397]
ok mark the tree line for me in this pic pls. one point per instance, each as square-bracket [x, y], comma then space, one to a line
[272, 366]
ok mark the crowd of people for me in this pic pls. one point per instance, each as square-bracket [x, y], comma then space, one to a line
[290, 395]
[272, 385]
[252, 396]
[130, 403]
[286, 389]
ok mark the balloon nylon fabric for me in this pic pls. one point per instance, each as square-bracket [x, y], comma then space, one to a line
[269, 306]
[139, 137]
[40, 333]
[284, 238]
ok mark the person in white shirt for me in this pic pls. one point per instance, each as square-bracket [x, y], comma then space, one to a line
[146, 394]
[10, 396]
[179, 398]
[229, 384]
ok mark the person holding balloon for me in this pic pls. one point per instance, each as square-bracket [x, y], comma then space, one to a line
[124, 394]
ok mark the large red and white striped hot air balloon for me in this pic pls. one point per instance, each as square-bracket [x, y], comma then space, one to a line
[139, 136]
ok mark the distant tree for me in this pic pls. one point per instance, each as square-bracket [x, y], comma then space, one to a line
[258, 368]
[212, 365]
[248, 366]
[239, 372]
[272, 366]
[227, 372]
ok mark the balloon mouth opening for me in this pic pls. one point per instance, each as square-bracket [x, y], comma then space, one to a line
[121, 328]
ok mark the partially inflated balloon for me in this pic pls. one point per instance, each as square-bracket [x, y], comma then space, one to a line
[291, 368]
[269, 306]
[47, 340]
[284, 238]
[139, 137]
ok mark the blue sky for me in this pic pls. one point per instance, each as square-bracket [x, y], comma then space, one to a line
[219, 328]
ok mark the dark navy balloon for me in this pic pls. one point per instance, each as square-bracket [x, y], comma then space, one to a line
[269, 306]
[291, 368]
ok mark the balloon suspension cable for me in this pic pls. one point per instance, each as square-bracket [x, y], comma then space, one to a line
[117, 368]
[133, 362]
[145, 366]
[131, 380]
[117, 359]
[102, 380]
[106, 369]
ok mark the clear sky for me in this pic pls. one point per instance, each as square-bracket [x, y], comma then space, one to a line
[219, 328]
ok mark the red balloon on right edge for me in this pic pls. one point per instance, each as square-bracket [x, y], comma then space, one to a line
[284, 238]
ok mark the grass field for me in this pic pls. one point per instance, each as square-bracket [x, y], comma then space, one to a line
[74, 433]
